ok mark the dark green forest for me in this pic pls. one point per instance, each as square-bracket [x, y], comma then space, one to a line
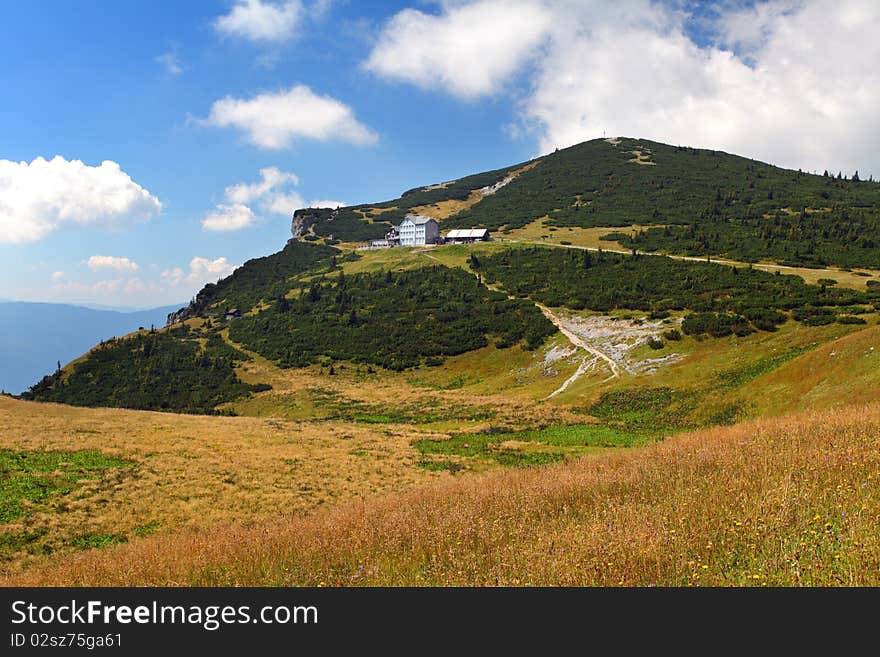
[596, 184]
[393, 320]
[158, 371]
[724, 299]
[842, 236]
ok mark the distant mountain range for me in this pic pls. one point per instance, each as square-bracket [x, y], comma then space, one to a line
[35, 336]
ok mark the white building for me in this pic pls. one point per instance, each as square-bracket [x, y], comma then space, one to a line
[465, 235]
[416, 230]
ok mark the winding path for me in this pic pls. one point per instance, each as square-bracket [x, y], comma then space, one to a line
[577, 341]
[586, 364]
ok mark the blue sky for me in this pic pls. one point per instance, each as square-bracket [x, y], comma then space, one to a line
[357, 101]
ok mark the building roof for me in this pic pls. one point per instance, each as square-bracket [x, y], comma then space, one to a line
[418, 219]
[467, 233]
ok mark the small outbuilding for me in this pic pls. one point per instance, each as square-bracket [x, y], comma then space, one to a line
[467, 235]
[232, 313]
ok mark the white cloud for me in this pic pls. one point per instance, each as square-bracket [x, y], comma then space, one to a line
[470, 49]
[803, 94]
[201, 271]
[747, 28]
[98, 290]
[98, 262]
[275, 120]
[39, 197]
[171, 62]
[272, 194]
[792, 82]
[320, 8]
[134, 287]
[128, 292]
[229, 217]
[271, 178]
[284, 204]
[57, 276]
[109, 286]
[261, 22]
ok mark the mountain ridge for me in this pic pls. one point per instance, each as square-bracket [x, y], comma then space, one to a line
[691, 201]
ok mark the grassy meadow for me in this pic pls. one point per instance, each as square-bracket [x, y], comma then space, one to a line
[741, 460]
[793, 500]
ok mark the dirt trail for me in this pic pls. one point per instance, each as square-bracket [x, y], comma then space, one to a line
[578, 342]
[586, 365]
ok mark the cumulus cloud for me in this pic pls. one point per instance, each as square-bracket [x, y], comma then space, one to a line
[99, 262]
[272, 194]
[57, 276]
[201, 271]
[469, 49]
[261, 22]
[270, 179]
[284, 204]
[793, 82]
[275, 120]
[39, 197]
[746, 28]
[229, 217]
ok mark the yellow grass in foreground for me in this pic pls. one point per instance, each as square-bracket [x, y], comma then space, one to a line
[198, 471]
[787, 501]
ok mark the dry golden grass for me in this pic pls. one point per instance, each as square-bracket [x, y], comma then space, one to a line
[642, 157]
[539, 232]
[444, 209]
[197, 471]
[787, 501]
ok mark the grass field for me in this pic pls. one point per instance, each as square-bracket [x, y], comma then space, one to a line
[785, 501]
[369, 476]
[108, 472]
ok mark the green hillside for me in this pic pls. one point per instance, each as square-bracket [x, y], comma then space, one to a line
[725, 299]
[159, 371]
[698, 201]
[372, 221]
[395, 320]
[315, 304]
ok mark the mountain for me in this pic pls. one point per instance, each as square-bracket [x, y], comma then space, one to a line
[657, 383]
[322, 305]
[34, 337]
[690, 201]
